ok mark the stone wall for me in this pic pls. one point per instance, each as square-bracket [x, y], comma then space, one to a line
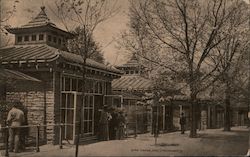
[39, 98]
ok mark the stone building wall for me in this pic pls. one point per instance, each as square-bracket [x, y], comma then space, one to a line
[39, 98]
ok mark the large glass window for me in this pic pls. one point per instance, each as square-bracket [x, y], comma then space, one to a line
[67, 115]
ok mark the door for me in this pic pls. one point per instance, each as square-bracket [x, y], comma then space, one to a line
[88, 116]
[68, 104]
[98, 102]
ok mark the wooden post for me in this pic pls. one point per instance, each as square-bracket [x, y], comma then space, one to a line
[7, 141]
[37, 139]
[136, 121]
[60, 136]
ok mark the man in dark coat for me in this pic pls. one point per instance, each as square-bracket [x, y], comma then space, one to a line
[182, 122]
[104, 124]
[113, 124]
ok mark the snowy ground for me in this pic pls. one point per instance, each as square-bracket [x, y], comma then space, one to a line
[209, 142]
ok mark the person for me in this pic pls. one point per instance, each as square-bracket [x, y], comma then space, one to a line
[120, 127]
[113, 124]
[15, 119]
[126, 125]
[24, 132]
[104, 124]
[182, 122]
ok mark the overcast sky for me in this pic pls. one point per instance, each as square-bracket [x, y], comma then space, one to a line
[104, 34]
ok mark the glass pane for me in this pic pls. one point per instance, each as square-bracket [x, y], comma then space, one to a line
[73, 85]
[96, 86]
[70, 101]
[90, 114]
[91, 103]
[86, 104]
[90, 127]
[85, 128]
[70, 116]
[91, 86]
[79, 89]
[63, 85]
[86, 114]
[63, 115]
[63, 105]
[67, 84]
[100, 87]
[69, 132]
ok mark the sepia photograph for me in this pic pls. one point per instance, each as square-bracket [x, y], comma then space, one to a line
[124, 78]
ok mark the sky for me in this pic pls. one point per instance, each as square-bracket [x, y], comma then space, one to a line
[106, 34]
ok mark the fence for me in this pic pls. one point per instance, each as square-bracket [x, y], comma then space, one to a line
[5, 135]
[133, 127]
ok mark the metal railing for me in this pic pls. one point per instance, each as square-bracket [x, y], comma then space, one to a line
[5, 130]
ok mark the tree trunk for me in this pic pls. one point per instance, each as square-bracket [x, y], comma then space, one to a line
[193, 126]
[227, 121]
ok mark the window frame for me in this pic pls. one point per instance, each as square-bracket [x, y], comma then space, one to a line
[41, 37]
[33, 39]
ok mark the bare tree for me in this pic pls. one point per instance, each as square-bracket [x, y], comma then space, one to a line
[94, 50]
[186, 34]
[6, 13]
[86, 15]
[230, 52]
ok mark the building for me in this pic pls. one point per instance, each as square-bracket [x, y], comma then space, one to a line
[40, 53]
[165, 109]
[132, 86]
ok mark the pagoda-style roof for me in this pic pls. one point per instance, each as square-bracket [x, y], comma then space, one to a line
[40, 22]
[44, 53]
[132, 83]
[132, 63]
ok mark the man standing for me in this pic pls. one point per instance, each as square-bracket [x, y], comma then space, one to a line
[182, 123]
[104, 124]
[15, 119]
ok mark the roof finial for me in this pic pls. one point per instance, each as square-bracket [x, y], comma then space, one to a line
[43, 8]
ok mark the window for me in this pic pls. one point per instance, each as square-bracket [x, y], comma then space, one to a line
[54, 39]
[49, 37]
[26, 38]
[41, 36]
[19, 39]
[88, 118]
[33, 37]
[59, 41]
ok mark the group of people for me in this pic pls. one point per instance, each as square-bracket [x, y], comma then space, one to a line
[17, 117]
[112, 124]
